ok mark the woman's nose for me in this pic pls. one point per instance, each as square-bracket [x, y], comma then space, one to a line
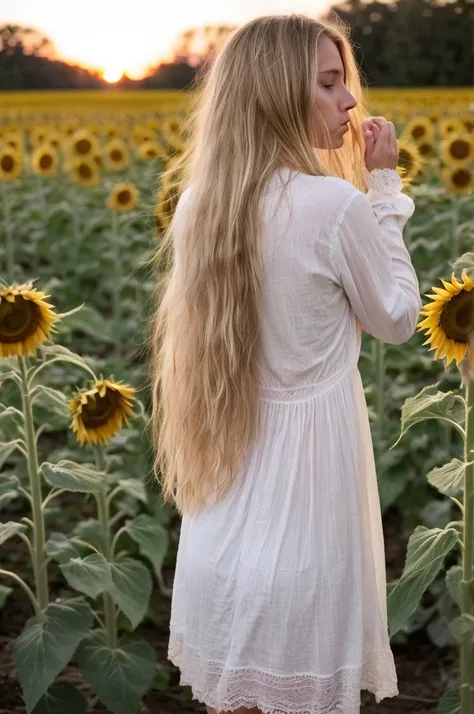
[349, 101]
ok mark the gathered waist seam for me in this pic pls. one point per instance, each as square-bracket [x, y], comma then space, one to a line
[294, 395]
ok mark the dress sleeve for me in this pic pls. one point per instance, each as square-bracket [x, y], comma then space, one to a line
[371, 261]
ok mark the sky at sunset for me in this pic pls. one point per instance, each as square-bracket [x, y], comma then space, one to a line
[128, 36]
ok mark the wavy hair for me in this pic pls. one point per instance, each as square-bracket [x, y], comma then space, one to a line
[252, 113]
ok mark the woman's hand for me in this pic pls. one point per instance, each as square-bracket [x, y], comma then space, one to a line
[381, 145]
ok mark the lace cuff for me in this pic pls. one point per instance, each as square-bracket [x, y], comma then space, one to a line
[385, 181]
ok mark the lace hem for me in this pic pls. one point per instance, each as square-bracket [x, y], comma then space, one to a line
[385, 181]
[228, 689]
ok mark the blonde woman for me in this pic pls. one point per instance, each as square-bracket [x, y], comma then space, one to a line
[286, 242]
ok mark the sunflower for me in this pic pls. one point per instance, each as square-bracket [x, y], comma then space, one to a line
[174, 146]
[426, 149]
[420, 129]
[38, 134]
[44, 160]
[69, 126]
[150, 150]
[14, 140]
[450, 125]
[458, 180]
[84, 172]
[458, 149]
[449, 318]
[98, 412]
[409, 160]
[123, 198]
[83, 143]
[54, 138]
[116, 155]
[11, 164]
[26, 320]
[142, 133]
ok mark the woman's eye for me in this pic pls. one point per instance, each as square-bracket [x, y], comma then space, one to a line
[329, 86]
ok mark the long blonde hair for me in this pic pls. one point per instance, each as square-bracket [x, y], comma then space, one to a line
[251, 114]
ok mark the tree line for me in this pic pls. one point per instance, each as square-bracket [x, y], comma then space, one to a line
[397, 44]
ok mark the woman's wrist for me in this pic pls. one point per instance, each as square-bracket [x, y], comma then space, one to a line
[386, 181]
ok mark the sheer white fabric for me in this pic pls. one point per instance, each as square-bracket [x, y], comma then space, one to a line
[279, 597]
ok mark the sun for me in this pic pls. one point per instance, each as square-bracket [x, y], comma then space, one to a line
[112, 75]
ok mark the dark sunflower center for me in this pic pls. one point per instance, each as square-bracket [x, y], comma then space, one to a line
[124, 197]
[83, 146]
[459, 149]
[418, 131]
[85, 171]
[457, 316]
[46, 161]
[151, 152]
[7, 163]
[405, 159]
[18, 319]
[116, 155]
[99, 410]
[461, 178]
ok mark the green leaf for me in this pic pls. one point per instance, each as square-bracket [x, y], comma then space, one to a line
[73, 477]
[50, 398]
[62, 698]
[462, 627]
[453, 582]
[10, 529]
[450, 703]
[425, 406]
[131, 588]
[425, 554]
[91, 531]
[134, 487]
[59, 352]
[151, 537]
[91, 322]
[11, 374]
[119, 676]
[59, 547]
[8, 490]
[448, 479]
[43, 649]
[4, 593]
[7, 448]
[89, 575]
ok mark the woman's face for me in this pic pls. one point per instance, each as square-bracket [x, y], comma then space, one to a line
[333, 99]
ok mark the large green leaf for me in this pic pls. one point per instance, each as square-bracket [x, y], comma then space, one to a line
[462, 627]
[453, 582]
[426, 551]
[448, 479]
[43, 649]
[7, 448]
[73, 477]
[10, 529]
[90, 531]
[61, 698]
[59, 547]
[426, 406]
[131, 588]
[89, 575]
[8, 490]
[50, 398]
[91, 322]
[119, 676]
[134, 487]
[55, 353]
[151, 537]
[450, 703]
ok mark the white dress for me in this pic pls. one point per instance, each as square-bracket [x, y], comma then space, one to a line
[279, 597]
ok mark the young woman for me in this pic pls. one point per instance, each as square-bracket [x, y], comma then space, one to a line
[287, 242]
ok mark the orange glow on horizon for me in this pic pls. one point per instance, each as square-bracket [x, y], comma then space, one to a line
[112, 75]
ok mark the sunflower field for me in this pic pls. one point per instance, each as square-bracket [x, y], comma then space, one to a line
[87, 546]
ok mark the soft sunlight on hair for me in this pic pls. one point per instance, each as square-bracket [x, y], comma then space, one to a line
[251, 114]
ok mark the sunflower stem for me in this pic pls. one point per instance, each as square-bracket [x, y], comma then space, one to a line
[39, 567]
[104, 518]
[455, 213]
[117, 268]
[467, 584]
[9, 249]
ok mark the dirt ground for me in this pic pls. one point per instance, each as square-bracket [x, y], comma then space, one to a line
[424, 671]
